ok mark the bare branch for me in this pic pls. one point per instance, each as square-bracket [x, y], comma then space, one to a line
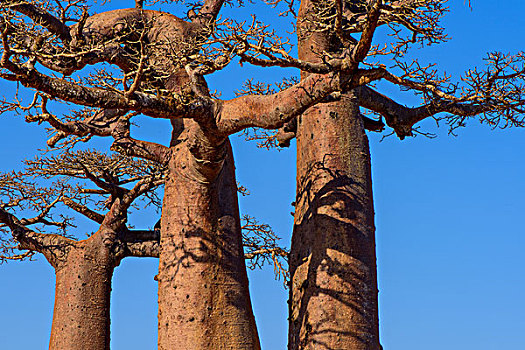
[207, 13]
[96, 97]
[272, 111]
[47, 244]
[39, 16]
[363, 46]
[82, 209]
[260, 247]
[124, 144]
[402, 119]
[498, 93]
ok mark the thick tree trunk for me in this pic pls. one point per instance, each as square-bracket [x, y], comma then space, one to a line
[333, 297]
[203, 287]
[82, 296]
[333, 294]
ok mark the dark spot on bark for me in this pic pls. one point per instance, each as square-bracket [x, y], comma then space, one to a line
[304, 285]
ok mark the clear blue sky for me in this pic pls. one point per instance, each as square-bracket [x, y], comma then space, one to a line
[449, 216]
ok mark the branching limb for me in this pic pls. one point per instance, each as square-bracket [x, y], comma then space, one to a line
[108, 186]
[498, 93]
[402, 119]
[41, 217]
[362, 48]
[93, 124]
[39, 16]
[82, 209]
[143, 186]
[107, 99]
[108, 37]
[124, 144]
[52, 246]
[260, 247]
[273, 111]
[207, 13]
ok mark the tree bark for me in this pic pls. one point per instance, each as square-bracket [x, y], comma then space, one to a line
[82, 295]
[203, 287]
[333, 293]
[333, 297]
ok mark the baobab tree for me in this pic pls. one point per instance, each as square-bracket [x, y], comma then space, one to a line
[333, 299]
[34, 219]
[162, 61]
[203, 287]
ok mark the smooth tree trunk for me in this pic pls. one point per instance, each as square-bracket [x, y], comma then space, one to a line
[333, 295]
[203, 286]
[81, 317]
[84, 269]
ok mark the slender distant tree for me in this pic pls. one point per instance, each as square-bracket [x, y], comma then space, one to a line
[34, 219]
[153, 63]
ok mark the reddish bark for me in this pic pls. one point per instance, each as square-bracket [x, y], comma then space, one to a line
[83, 269]
[333, 297]
[82, 296]
[83, 283]
[333, 294]
[203, 287]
